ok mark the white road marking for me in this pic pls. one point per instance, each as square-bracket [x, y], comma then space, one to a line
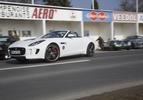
[40, 65]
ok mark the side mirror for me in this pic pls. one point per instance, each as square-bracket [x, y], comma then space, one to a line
[70, 35]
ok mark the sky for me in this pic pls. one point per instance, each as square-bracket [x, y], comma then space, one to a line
[103, 4]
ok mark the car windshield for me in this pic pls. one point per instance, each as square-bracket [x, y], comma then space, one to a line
[3, 39]
[55, 34]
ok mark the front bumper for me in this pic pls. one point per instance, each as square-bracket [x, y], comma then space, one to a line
[27, 53]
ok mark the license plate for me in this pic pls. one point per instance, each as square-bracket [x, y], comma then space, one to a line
[15, 52]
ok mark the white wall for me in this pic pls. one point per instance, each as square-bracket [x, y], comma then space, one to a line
[93, 29]
[57, 25]
[63, 25]
[140, 29]
[122, 30]
[105, 30]
[19, 25]
[98, 29]
[118, 30]
[129, 29]
[38, 28]
[76, 26]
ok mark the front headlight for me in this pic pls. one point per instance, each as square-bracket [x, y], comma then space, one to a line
[36, 43]
[129, 43]
[115, 43]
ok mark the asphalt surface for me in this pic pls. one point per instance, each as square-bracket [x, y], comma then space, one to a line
[71, 77]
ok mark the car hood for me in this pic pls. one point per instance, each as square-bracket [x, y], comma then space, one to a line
[3, 44]
[25, 43]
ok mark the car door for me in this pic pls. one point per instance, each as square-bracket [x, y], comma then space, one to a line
[73, 43]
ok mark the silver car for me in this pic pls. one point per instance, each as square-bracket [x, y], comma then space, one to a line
[136, 41]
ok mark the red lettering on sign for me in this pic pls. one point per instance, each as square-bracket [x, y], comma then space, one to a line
[40, 12]
[43, 13]
[51, 14]
[34, 13]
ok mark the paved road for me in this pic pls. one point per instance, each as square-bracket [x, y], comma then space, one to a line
[72, 77]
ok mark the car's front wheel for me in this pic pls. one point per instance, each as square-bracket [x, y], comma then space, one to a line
[52, 53]
[90, 50]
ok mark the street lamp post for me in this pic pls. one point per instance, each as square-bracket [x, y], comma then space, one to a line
[137, 24]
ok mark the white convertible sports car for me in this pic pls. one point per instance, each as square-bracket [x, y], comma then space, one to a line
[52, 46]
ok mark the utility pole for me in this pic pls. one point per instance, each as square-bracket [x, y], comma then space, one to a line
[93, 4]
[137, 6]
[137, 24]
[32, 1]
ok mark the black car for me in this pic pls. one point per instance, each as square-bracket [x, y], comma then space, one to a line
[136, 41]
[117, 44]
[5, 41]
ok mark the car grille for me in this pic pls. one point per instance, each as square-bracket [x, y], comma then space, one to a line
[17, 51]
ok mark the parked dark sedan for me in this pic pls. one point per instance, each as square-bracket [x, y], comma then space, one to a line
[136, 41]
[117, 44]
[5, 41]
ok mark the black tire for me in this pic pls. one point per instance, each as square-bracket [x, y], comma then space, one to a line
[132, 45]
[128, 48]
[22, 60]
[52, 53]
[90, 50]
[111, 48]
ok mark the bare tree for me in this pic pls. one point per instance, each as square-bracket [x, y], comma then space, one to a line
[96, 6]
[64, 3]
[130, 5]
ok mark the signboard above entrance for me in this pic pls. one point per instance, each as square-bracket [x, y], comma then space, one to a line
[39, 13]
[94, 16]
[124, 17]
[140, 18]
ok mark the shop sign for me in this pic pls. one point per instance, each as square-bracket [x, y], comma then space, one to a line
[140, 18]
[72, 15]
[97, 16]
[43, 13]
[124, 17]
[94, 16]
[26, 12]
[9, 11]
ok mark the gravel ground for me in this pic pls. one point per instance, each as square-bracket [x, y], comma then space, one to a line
[133, 93]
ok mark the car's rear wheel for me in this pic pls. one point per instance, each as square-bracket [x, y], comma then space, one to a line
[111, 48]
[128, 48]
[90, 50]
[52, 53]
[132, 45]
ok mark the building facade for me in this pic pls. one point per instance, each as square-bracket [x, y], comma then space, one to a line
[26, 21]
